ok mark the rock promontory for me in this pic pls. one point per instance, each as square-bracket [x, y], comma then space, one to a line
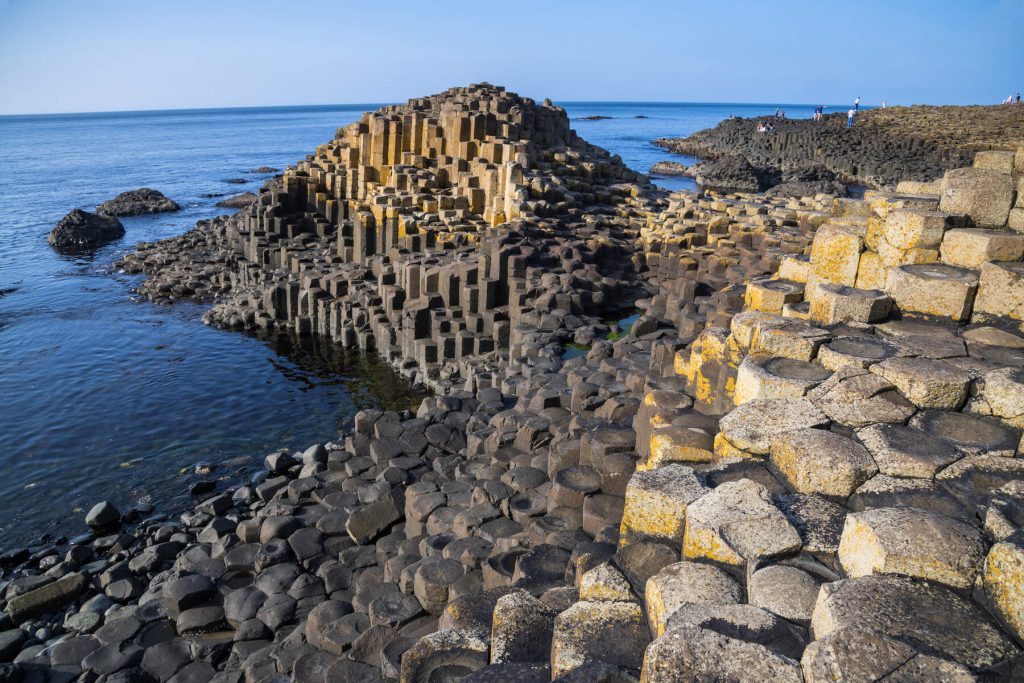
[884, 146]
[137, 202]
[83, 230]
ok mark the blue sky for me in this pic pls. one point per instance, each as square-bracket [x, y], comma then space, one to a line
[108, 55]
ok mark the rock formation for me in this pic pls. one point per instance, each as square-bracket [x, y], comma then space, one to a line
[238, 201]
[884, 147]
[137, 202]
[669, 168]
[772, 472]
[81, 230]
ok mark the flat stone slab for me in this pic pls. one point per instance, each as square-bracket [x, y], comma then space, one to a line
[736, 523]
[930, 618]
[856, 398]
[968, 433]
[46, 598]
[925, 382]
[854, 653]
[753, 425]
[697, 654]
[901, 451]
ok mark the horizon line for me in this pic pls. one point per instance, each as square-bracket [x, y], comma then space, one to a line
[376, 105]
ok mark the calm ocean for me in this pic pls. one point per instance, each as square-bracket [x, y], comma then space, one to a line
[106, 397]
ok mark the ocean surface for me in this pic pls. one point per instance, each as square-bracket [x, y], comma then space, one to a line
[103, 396]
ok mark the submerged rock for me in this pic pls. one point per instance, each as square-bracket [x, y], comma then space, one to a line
[239, 201]
[83, 230]
[669, 168]
[137, 202]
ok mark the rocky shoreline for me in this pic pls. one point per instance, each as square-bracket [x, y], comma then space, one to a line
[884, 147]
[800, 462]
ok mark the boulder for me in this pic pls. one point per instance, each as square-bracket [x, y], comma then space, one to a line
[901, 451]
[656, 502]
[854, 653]
[521, 629]
[84, 230]
[755, 424]
[786, 591]
[925, 382]
[369, 522]
[102, 516]
[137, 202]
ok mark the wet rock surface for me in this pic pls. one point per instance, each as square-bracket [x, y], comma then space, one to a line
[81, 230]
[630, 511]
[137, 202]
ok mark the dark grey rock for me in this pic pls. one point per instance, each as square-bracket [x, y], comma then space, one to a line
[84, 230]
[137, 202]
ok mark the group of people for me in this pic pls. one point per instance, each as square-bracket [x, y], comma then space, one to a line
[1012, 98]
[766, 125]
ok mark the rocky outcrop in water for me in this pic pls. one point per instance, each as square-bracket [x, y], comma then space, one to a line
[727, 172]
[669, 168]
[238, 201]
[81, 230]
[805, 444]
[137, 202]
[884, 146]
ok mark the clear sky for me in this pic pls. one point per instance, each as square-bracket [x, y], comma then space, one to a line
[108, 55]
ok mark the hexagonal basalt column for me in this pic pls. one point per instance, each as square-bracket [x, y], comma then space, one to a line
[835, 253]
[817, 461]
[857, 352]
[770, 296]
[1001, 290]
[971, 247]
[656, 502]
[832, 303]
[933, 289]
[983, 195]
[918, 543]
[773, 377]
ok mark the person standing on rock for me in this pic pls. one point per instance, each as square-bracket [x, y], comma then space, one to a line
[849, 117]
[856, 104]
